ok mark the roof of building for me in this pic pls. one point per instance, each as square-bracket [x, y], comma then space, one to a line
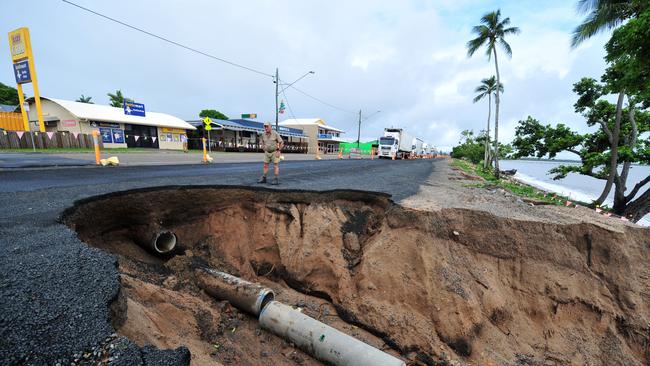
[106, 113]
[308, 122]
[8, 108]
[248, 125]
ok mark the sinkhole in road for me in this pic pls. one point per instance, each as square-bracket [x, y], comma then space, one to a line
[428, 287]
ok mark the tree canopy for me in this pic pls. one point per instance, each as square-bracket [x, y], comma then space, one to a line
[212, 113]
[117, 99]
[8, 95]
[84, 99]
[533, 138]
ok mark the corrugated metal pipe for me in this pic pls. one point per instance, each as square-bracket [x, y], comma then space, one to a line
[246, 296]
[320, 340]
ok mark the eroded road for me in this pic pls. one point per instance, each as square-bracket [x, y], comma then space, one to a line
[55, 291]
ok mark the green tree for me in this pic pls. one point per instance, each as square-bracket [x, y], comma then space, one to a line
[117, 99]
[623, 70]
[84, 99]
[487, 88]
[595, 149]
[491, 32]
[603, 15]
[212, 113]
[8, 95]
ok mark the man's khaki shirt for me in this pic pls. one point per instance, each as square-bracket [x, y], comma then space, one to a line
[270, 141]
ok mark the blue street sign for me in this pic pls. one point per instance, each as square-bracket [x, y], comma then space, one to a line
[133, 109]
[21, 71]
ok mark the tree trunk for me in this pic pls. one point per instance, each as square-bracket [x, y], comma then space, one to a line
[638, 208]
[486, 155]
[613, 161]
[497, 172]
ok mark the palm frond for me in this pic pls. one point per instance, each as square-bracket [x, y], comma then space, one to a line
[506, 47]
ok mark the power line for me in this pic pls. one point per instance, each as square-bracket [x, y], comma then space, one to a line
[288, 106]
[168, 40]
[321, 101]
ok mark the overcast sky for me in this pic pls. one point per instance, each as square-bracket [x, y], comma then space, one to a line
[405, 58]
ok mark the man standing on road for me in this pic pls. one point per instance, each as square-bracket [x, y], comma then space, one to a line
[272, 145]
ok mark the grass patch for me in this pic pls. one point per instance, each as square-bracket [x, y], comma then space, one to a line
[519, 189]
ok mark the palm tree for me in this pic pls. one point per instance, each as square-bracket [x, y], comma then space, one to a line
[492, 31]
[487, 88]
[603, 15]
[84, 99]
[118, 99]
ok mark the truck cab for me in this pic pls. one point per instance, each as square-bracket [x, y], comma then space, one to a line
[388, 146]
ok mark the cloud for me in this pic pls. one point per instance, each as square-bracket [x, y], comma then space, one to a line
[405, 58]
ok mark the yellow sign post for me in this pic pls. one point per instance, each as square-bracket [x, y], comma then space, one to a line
[21, 51]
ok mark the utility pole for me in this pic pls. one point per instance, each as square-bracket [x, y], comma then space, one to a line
[359, 132]
[277, 82]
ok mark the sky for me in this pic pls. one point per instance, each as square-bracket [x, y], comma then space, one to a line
[406, 59]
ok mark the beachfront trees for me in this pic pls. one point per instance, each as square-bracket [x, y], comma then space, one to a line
[471, 147]
[603, 15]
[487, 88]
[489, 33]
[594, 149]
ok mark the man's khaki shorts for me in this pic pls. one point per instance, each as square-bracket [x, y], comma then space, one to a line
[271, 157]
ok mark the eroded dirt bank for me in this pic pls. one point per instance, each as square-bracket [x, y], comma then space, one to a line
[453, 286]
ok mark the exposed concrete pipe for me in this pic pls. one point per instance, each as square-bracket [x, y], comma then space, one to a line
[157, 241]
[244, 295]
[320, 340]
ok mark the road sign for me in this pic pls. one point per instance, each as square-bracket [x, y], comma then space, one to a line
[208, 123]
[19, 44]
[133, 109]
[249, 115]
[21, 72]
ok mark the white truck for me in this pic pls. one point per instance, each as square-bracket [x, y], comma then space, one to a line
[396, 143]
[417, 149]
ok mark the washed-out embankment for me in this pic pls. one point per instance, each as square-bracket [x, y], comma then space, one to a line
[453, 286]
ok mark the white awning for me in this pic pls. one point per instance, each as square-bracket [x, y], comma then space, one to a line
[105, 113]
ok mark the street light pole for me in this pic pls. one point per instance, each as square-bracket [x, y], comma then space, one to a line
[277, 83]
[359, 131]
[277, 93]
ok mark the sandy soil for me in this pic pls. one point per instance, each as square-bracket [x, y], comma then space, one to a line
[451, 276]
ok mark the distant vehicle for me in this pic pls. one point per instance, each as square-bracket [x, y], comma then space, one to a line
[417, 147]
[396, 143]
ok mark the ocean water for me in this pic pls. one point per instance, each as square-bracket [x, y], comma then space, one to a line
[575, 186]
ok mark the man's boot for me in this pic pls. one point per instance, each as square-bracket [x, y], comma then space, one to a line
[275, 181]
[262, 180]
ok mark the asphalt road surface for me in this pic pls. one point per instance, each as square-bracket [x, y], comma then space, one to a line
[55, 291]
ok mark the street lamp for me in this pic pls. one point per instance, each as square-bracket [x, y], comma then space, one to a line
[359, 131]
[277, 93]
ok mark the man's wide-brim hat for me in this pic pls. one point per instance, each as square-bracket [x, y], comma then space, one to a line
[267, 123]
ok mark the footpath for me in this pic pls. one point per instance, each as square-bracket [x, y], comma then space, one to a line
[42, 159]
